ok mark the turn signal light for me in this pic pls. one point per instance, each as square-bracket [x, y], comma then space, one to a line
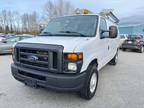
[80, 56]
[13, 50]
[74, 56]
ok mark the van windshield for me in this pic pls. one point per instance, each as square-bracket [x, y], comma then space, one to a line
[81, 25]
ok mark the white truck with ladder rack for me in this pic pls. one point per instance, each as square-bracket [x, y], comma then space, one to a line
[68, 53]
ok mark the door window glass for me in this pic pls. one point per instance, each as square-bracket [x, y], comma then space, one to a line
[103, 26]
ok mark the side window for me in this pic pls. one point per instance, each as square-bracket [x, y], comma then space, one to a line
[103, 26]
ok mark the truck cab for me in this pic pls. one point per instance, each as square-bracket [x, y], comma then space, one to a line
[68, 53]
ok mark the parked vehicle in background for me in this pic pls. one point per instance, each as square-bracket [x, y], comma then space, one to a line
[7, 44]
[134, 42]
[2, 38]
[1, 34]
[27, 35]
[10, 35]
[123, 38]
[6, 36]
[142, 37]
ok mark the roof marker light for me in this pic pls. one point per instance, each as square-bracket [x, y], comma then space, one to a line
[86, 11]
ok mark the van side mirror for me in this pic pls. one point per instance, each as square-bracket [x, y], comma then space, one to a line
[113, 32]
[102, 32]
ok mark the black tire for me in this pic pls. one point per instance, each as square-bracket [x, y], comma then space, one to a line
[141, 50]
[114, 60]
[123, 49]
[86, 92]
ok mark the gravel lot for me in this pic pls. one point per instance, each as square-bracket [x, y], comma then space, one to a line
[120, 86]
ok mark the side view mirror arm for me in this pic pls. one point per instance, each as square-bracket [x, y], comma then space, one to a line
[103, 31]
[113, 32]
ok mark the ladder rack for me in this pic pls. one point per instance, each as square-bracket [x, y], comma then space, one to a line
[108, 13]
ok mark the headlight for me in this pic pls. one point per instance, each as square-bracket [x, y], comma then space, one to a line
[73, 62]
[72, 66]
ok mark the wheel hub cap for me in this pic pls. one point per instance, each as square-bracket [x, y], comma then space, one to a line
[93, 82]
[142, 49]
[116, 58]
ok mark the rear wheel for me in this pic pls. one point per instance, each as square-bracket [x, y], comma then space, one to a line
[141, 50]
[114, 60]
[123, 49]
[91, 83]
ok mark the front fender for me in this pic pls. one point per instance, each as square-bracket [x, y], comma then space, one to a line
[90, 53]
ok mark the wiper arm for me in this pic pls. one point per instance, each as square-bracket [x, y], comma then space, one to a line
[73, 32]
[46, 34]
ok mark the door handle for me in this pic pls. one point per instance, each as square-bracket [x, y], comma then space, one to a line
[108, 47]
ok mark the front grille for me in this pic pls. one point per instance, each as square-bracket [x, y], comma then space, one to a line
[40, 57]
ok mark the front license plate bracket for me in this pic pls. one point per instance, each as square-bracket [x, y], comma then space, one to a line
[31, 83]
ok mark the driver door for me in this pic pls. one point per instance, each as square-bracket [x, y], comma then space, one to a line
[104, 42]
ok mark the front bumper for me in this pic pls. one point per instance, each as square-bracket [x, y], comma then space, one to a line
[56, 82]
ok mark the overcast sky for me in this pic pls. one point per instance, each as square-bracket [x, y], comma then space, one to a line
[127, 10]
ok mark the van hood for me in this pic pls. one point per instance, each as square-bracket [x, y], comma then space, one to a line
[69, 43]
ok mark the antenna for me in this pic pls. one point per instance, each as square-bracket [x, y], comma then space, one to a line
[108, 13]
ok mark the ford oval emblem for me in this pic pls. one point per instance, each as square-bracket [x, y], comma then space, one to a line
[32, 58]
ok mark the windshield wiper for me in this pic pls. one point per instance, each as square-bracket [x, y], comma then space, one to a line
[46, 34]
[74, 33]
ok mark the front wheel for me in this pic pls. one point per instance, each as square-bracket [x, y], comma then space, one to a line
[91, 83]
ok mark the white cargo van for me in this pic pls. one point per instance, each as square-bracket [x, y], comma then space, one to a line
[68, 53]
